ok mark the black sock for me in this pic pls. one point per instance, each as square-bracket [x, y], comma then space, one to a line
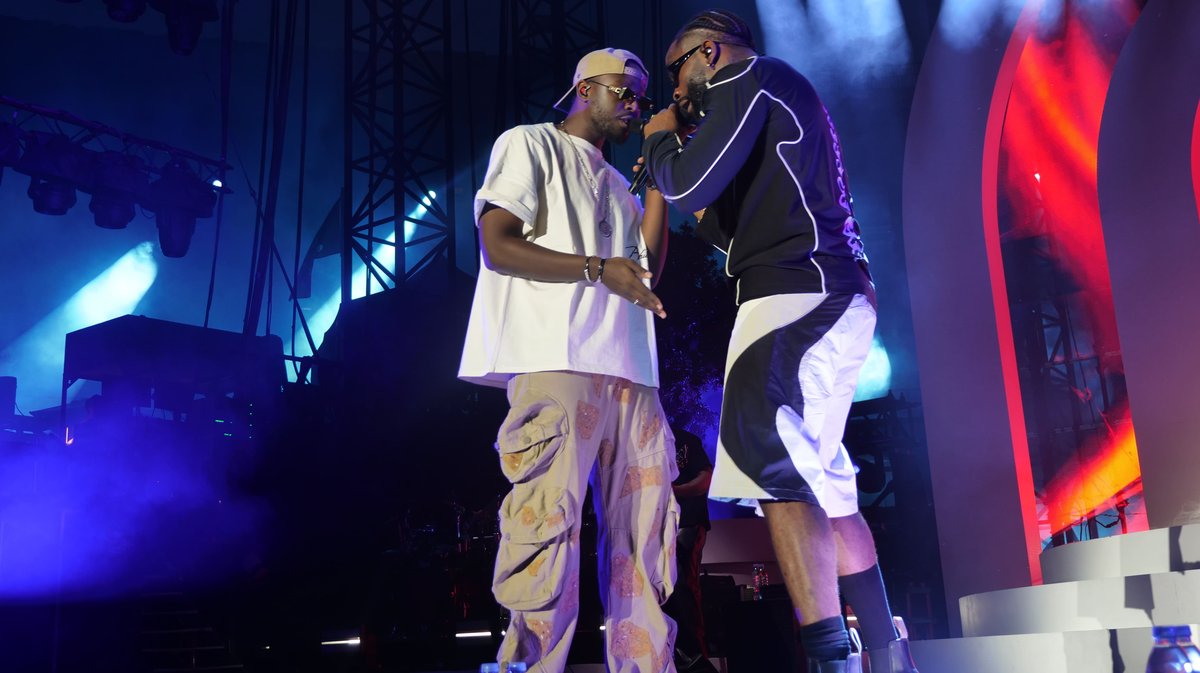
[866, 595]
[826, 640]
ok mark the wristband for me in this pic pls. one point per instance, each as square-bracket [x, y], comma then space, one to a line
[600, 272]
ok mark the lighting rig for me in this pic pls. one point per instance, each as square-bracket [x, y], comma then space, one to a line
[63, 154]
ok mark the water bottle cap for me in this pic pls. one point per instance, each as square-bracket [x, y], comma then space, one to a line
[1172, 631]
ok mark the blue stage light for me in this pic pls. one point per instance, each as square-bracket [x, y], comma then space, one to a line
[410, 228]
[847, 42]
[875, 379]
[117, 291]
[320, 321]
[36, 357]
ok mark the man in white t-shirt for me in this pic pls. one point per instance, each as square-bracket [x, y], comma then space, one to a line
[562, 317]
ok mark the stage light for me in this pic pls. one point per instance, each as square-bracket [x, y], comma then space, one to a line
[875, 379]
[51, 196]
[125, 11]
[217, 184]
[118, 180]
[53, 164]
[856, 41]
[175, 231]
[352, 642]
[111, 212]
[185, 19]
[39, 351]
[410, 228]
[321, 319]
[177, 199]
[116, 291]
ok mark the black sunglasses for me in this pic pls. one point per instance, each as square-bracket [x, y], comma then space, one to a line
[626, 95]
[677, 64]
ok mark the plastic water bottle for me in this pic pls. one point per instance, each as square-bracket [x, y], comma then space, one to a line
[512, 667]
[1188, 645]
[1167, 656]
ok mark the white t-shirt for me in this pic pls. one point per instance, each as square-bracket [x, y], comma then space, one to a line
[520, 326]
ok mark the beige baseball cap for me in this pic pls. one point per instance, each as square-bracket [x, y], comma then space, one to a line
[604, 62]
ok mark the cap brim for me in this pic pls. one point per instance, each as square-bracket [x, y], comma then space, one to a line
[564, 103]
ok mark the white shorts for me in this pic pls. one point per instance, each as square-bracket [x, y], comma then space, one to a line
[790, 377]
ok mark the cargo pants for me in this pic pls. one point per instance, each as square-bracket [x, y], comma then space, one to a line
[561, 429]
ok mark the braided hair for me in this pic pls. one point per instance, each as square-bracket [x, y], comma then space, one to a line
[718, 24]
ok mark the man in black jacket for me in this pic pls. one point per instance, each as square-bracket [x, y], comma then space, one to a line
[764, 165]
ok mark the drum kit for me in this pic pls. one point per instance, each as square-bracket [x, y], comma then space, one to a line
[461, 542]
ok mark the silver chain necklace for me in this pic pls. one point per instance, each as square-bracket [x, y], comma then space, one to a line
[605, 227]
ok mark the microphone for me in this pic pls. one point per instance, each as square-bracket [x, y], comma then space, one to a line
[643, 175]
[639, 180]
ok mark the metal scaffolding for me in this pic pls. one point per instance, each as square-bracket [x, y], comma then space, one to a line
[398, 198]
[1071, 396]
[398, 205]
[549, 36]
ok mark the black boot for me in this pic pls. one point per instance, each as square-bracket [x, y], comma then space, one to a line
[895, 659]
[838, 666]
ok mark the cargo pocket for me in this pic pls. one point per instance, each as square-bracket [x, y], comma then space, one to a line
[665, 568]
[531, 435]
[532, 562]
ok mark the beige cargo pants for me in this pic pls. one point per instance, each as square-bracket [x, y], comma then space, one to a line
[561, 428]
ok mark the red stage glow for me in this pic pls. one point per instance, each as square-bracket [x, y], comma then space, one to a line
[1004, 333]
[1050, 111]
[1196, 159]
[1108, 476]
[1052, 127]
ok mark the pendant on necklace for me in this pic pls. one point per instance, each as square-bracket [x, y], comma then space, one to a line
[605, 228]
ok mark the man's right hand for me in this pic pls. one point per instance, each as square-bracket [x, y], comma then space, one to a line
[666, 119]
[625, 278]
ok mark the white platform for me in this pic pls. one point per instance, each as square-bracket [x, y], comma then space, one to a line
[1092, 615]
[1074, 652]
[1111, 603]
[1146, 553]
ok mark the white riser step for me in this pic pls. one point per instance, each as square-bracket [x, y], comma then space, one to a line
[1074, 652]
[1111, 603]
[1148, 552]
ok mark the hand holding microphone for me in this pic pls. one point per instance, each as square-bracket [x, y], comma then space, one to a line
[667, 119]
[641, 175]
